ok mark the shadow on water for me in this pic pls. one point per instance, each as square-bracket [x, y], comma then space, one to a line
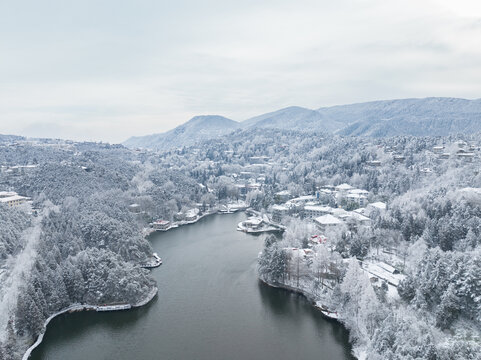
[295, 306]
[274, 299]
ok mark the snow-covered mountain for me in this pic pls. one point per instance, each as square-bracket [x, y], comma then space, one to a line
[294, 118]
[198, 128]
[211, 126]
[418, 117]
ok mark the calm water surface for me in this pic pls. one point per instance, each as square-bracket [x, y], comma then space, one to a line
[210, 306]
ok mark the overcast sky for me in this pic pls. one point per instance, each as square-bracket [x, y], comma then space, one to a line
[106, 70]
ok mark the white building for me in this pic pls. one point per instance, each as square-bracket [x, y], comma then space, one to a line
[466, 156]
[253, 223]
[326, 222]
[358, 199]
[192, 214]
[378, 206]
[339, 213]
[161, 224]
[374, 208]
[303, 199]
[278, 212]
[313, 211]
[359, 192]
[11, 198]
[343, 188]
[350, 195]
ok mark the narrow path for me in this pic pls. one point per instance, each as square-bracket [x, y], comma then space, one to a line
[17, 271]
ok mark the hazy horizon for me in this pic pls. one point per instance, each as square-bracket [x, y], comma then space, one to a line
[90, 71]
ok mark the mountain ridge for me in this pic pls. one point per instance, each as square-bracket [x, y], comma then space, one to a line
[198, 128]
[431, 116]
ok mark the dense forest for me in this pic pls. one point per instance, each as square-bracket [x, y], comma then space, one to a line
[78, 242]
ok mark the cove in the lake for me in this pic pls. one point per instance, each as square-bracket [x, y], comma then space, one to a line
[210, 306]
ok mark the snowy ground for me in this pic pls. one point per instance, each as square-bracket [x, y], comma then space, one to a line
[14, 274]
[378, 269]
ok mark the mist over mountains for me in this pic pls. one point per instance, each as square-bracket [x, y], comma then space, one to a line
[419, 117]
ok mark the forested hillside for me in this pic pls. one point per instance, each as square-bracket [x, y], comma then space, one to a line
[80, 245]
[79, 242]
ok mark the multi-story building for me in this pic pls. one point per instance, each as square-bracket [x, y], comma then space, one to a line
[11, 198]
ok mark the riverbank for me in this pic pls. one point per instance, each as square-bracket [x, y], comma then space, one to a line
[81, 307]
[357, 352]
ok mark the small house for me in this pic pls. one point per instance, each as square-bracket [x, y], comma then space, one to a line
[161, 224]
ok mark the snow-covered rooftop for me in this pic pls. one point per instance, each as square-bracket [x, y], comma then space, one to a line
[355, 196]
[161, 222]
[328, 220]
[360, 211]
[254, 221]
[338, 212]
[4, 194]
[359, 217]
[383, 271]
[321, 208]
[359, 192]
[303, 198]
[12, 198]
[343, 187]
[379, 205]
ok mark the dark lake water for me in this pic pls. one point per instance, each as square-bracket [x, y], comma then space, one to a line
[210, 306]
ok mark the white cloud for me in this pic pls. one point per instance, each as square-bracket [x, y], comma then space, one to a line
[110, 70]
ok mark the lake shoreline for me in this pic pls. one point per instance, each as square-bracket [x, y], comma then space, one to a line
[178, 224]
[78, 308]
[175, 314]
[357, 353]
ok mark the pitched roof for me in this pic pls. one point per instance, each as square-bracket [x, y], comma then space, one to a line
[328, 220]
